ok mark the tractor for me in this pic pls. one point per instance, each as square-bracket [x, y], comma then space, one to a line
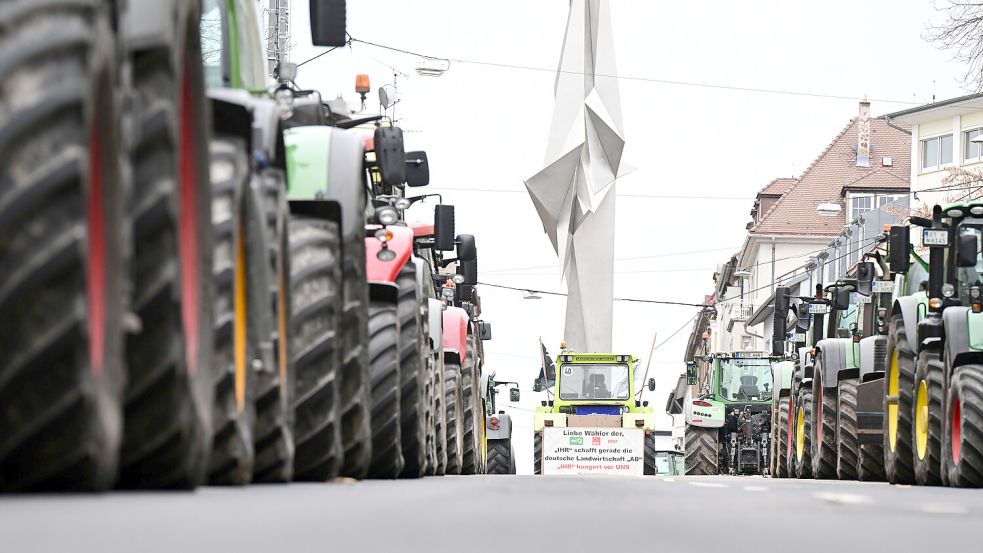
[593, 421]
[500, 458]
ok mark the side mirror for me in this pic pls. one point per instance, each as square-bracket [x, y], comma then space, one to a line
[469, 269]
[484, 330]
[651, 384]
[286, 71]
[537, 386]
[466, 249]
[865, 276]
[513, 395]
[968, 248]
[899, 246]
[691, 374]
[780, 322]
[842, 300]
[390, 155]
[417, 169]
[443, 228]
[328, 23]
[805, 319]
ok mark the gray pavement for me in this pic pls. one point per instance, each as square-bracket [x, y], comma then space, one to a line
[504, 513]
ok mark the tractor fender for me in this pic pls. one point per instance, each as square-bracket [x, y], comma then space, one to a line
[504, 431]
[873, 356]
[455, 322]
[835, 359]
[327, 164]
[401, 244]
[803, 369]
[146, 24]
[385, 292]
[422, 277]
[907, 306]
[436, 323]
[707, 416]
[254, 119]
[782, 372]
[963, 336]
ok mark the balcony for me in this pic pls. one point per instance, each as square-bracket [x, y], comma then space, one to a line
[737, 312]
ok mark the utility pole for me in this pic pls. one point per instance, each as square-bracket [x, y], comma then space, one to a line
[277, 33]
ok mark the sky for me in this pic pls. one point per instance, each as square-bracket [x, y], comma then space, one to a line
[701, 152]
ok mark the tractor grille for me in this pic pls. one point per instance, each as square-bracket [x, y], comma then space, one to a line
[880, 354]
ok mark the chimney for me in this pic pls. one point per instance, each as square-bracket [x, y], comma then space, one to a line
[863, 135]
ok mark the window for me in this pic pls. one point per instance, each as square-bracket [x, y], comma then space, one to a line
[745, 379]
[212, 43]
[972, 150]
[937, 151]
[746, 342]
[593, 382]
[860, 204]
[885, 199]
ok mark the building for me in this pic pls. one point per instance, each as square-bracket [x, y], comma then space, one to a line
[946, 149]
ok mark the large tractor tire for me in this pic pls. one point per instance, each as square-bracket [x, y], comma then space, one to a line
[537, 453]
[267, 241]
[356, 397]
[870, 463]
[802, 427]
[387, 455]
[233, 415]
[440, 412]
[823, 422]
[781, 445]
[648, 457]
[413, 354]
[702, 455]
[473, 414]
[314, 329]
[454, 420]
[899, 402]
[927, 414]
[500, 457]
[431, 401]
[847, 448]
[62, 249]
[962, 452]
[169, 395]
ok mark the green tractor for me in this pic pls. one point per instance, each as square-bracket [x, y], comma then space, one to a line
[728, 424]
[593, 421]
[500, 455]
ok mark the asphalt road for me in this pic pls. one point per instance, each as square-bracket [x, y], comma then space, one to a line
[505, 514]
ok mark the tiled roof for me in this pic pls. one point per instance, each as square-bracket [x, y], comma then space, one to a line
[880, 179]
[823, 182]
[777, 187]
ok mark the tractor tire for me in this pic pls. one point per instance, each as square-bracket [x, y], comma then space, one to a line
[781, 445]
[803, 433]
[847, 448]
[648, 458]
[431, 423]
[440, 413]
[315, 325]
[870, 463]
[63, 253]
[275, 378]
[356, 397]
[537, 453]
[824, 427]
[454, 421]
[413, 355]
[473, 417]
[702, 450]
[387, 456]
[927, 414]
[963, 439]
[233, 414]
[170, 388]
[899, 383]
[500, 457]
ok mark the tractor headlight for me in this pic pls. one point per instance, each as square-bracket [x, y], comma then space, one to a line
[387, 215]
[447, 293]
[403, 203]
[458, 279]
[974, 292]
[385, 254]
[384, 235]
[948, 290]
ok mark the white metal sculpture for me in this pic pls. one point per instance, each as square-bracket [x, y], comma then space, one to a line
[575, 193]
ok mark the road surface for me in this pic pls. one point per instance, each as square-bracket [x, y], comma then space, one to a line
[504, 514]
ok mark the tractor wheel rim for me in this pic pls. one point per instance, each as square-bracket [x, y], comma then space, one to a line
[788, 431]
[188, 232]
[96, 266]
[800, 438]
[892, 408]
[956, 429]
[921, 420]
[239, 309]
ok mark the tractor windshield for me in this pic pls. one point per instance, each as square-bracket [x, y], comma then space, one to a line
[967, 277]
[745, 379]
[594, 382]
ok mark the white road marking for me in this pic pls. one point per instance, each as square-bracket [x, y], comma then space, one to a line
[755, 489]
[939, 509]
[844, 498]
[708, 485]
[668, 479]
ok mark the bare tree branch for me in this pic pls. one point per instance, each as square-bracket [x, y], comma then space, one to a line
[961, 32]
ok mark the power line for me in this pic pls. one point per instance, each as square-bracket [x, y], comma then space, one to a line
[654, 196]
[633, 258]
[693, 84]
[326, 52]
[551, 293]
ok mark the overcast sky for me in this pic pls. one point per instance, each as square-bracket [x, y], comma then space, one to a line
[485, 129]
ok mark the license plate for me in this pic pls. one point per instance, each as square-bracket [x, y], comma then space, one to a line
[858, 298]
[935, 237]
[748, 355]
[882, 287]
[797, 337]
[818, 308]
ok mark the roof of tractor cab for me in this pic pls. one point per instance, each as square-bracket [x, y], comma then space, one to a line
[594, 358]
